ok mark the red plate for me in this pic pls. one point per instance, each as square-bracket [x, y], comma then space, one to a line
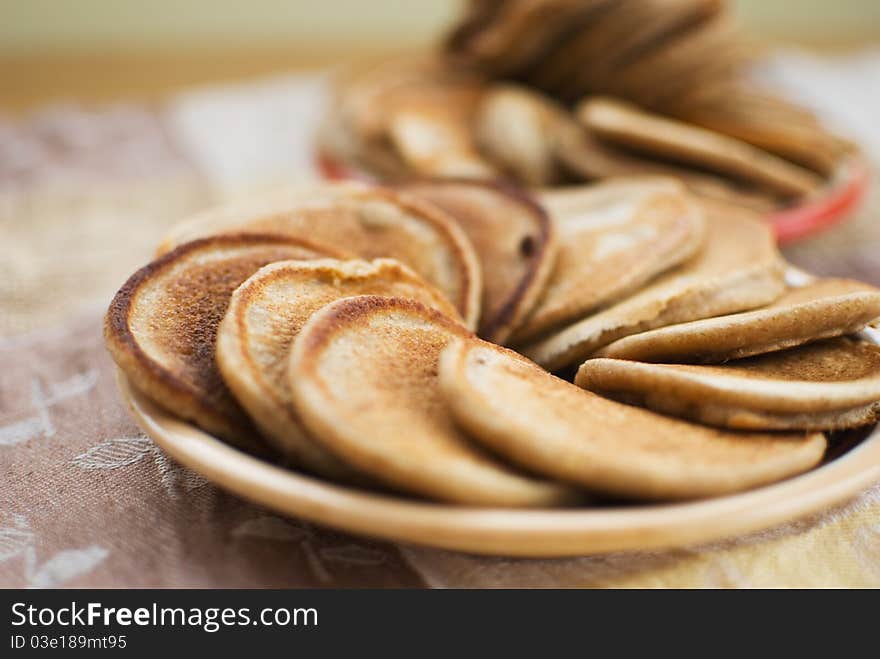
[833, 205]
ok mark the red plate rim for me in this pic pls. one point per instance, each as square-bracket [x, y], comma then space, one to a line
[832, 206]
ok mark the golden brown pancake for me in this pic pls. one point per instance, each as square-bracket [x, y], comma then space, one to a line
[365, 93]
[519, 33]
[654, 29]
[676, 91]
[652, 51]
[363, 373]
[818, 310]
[514, 240]
[588, 42]
[585, 157]
[626, 125]
[647, 77]
[738, 269]
[768, 122]
[264, 317]
[339, 143]
[617, 38]
[431, 131]
[161, 325]
[406, 117]
[369, 221]
[613, 237]
[515, 128]
[550, 426]
[354, 128]
[827, 385]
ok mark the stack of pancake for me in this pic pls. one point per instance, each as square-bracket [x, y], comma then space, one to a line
[553, 92]
[463, 342]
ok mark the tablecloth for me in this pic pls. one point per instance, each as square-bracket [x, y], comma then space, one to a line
[86, 499]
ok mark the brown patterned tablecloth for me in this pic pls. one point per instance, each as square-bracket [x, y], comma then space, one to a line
[87, 500]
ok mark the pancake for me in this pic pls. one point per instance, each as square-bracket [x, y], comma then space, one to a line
[738, 269]
[807, 146]
[363, 373]
[828, 385]
[622, 36]
[589, 42]
[550, 426]
[355, 126]
[514, 240]
[613, 237]
[537, 141]
[820, 309]
[732, 55]
[646, 77]
[264, 317]
[648, 27]
[369, 221]
[406, 117]
[338, 142]
[626, 125]
[585, 157]
[161, 325]
[431, 131]
[363, 94]
[520, 33]
[514, 127]
[768, 122]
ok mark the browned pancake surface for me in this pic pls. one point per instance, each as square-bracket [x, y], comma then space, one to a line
[162, 324]
[632, 127]
[369, 221]
[266, 314]
[514, 239]
[740, 268]
[820, 309]
[548, 425]
[834, 360]
[516, 128]
[613, 237]
[826, 385]
[363, 373]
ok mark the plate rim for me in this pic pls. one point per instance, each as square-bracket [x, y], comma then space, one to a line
[526, 533]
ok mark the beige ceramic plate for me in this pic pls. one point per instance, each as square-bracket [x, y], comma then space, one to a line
[507, 532]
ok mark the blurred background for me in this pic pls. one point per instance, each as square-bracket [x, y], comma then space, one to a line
[104, 49]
